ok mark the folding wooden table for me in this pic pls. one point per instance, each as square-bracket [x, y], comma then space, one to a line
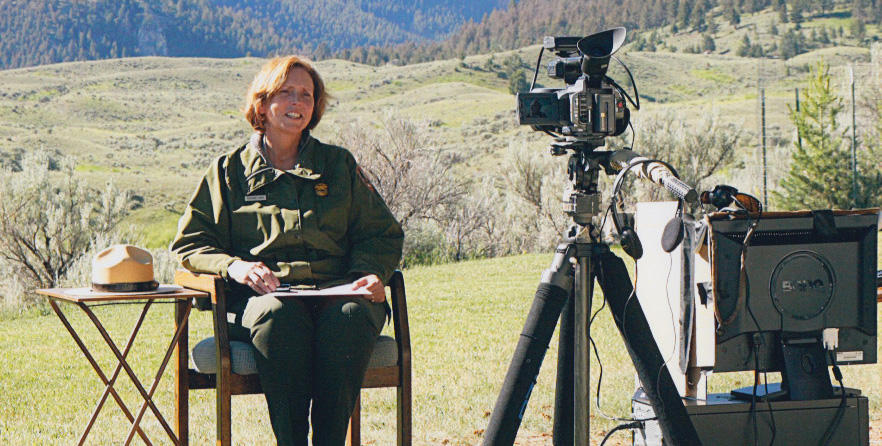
[183, 299]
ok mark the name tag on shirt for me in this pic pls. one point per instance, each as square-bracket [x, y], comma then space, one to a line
[255, 198]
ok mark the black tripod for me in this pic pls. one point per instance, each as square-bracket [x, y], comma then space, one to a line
[565, 292]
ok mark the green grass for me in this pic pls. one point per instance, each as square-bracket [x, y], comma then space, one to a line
[465, 321]
[157, 227]
[712, 75]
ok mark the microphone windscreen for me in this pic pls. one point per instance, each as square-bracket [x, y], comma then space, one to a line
[672, 235]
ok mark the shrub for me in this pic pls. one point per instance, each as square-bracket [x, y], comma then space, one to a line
[48, 221]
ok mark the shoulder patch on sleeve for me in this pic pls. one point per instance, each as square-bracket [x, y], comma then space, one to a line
[364, 179]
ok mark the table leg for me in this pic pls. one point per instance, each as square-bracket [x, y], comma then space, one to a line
[116, 371]
[131, 373]
[98, 371]
[155, 384]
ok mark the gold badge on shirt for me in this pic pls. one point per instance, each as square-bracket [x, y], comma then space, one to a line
[321, 189]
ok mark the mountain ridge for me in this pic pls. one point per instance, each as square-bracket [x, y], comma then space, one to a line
[36, 32]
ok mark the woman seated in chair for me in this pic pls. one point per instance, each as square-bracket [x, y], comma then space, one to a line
[286, 208]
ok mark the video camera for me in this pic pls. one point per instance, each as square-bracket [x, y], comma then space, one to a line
[592, 106]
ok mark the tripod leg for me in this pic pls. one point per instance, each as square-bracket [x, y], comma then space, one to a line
[551, 295]
[584, 291]
[562, 433]
[676, 426]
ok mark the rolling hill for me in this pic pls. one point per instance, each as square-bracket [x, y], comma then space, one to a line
[153, 124]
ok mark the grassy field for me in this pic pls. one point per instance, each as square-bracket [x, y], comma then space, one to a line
[465, 321]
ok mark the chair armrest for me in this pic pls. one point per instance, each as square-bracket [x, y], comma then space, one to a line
[400, 323]
[209, 283]
[214, 286]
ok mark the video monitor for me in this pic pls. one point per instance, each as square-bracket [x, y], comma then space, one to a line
[806, 272]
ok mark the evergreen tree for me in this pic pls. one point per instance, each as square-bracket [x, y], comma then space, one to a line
[683, 9]
[792, 44]
[517, 82]
[744, 49]
[732, 15]
[709, 44]
[796, 14]
[819, 176]
[823, 37]
[698, 20]
[858, 28]
[711, 22]
[783, 17]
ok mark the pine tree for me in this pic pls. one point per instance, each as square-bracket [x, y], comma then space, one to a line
[819, 176]
[783, 16]
[744, 49]
[708, 43]
[732, 15]
[517, 82]
[683, 9]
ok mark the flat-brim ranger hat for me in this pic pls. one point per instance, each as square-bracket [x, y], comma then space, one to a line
[123, 269]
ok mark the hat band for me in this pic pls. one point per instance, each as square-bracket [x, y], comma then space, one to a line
[135, 287]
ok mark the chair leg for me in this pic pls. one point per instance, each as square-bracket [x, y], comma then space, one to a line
[353, 436]
[224, 413]
[405, 426]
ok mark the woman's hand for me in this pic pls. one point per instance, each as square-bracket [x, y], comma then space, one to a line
[253, 274]
[372, 284]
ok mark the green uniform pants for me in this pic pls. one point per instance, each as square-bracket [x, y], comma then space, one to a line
[309, 350]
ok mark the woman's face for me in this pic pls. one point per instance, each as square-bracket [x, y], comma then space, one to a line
[290, 109]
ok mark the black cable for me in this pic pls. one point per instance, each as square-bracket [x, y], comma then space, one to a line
[633, 83]
[619, 182]
[671, 311]
[633, 135]
[753, 397]
[771, 412]
[828, 435]
[621, 90]
[632, 425]
[751, 230]
[600, 364]
[759, 341]
[549, 133]
[536, 71]
[748, 236]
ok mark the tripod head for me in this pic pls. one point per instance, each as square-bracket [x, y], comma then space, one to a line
[581, 199]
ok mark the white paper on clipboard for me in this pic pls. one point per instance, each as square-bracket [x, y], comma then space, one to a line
[344, 290]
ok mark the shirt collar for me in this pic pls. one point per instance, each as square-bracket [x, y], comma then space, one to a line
[258, 172]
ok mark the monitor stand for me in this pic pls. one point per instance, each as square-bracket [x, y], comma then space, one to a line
[804, 378]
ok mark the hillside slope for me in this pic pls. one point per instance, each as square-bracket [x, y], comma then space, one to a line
[153, 124]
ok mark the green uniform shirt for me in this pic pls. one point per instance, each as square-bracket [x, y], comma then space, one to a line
[319, 222]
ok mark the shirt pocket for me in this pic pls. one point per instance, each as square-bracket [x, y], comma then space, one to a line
[261, 228]
[291, 229]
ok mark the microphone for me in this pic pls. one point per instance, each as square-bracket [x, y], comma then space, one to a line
[655, 171]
